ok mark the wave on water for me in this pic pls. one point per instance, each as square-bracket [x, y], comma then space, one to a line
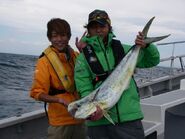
[16, 73]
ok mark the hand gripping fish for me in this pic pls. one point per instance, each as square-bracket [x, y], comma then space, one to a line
[110, 91]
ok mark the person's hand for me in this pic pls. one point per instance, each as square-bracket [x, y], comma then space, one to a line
[98, 114]
[139, 41]
[63, 102]
[79, 43]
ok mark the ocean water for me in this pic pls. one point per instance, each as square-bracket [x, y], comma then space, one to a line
[16, 73]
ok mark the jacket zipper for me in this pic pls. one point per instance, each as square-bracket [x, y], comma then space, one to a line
[104, 52]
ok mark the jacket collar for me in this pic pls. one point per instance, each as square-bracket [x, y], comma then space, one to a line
[57, 51]
[97, 42]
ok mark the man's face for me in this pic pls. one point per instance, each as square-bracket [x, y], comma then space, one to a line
[99, 30]
[59, 41]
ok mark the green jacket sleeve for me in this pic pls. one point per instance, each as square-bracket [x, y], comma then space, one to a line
[83, 77]
[148, 57]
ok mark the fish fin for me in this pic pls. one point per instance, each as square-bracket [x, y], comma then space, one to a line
[112, 113]
[107, 116]
[127, 85]
[147, 27]
[149, 40]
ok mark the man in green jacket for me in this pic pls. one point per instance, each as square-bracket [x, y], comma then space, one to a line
[127, 112]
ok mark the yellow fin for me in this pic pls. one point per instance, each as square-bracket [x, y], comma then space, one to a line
[107, 116]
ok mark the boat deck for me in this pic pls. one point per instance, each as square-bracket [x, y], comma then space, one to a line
[156, 107]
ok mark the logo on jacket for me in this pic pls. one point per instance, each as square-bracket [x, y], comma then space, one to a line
[92, 59]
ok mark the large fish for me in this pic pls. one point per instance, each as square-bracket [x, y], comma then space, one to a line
[110, 91]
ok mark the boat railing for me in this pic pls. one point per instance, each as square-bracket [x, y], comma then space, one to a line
[172, 57]
[156, 80]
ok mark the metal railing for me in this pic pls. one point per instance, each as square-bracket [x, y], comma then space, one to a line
[172, 57]
[150, 74]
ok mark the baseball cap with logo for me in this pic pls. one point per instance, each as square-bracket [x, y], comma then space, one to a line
[99, 16]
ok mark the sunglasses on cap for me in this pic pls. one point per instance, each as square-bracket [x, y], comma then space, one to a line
[98, 15]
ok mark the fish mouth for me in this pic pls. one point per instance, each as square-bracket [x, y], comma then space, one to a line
[73, 111]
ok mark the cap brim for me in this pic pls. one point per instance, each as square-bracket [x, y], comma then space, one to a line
[100, 21]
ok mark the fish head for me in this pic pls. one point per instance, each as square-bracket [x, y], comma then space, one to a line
[81, 111]
[72, 108]
[85, 111]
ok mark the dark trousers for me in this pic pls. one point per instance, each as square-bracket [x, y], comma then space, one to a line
[127, 130]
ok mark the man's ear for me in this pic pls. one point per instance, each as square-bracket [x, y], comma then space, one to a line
[87, 33]
[110, 28]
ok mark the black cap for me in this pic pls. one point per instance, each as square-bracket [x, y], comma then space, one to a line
[99, 16]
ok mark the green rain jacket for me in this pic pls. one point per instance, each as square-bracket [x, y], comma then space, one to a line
[128, 107]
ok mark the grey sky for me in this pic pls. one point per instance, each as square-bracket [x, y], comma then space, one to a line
[23, 22]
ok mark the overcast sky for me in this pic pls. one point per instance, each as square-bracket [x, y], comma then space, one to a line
[23, 22]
